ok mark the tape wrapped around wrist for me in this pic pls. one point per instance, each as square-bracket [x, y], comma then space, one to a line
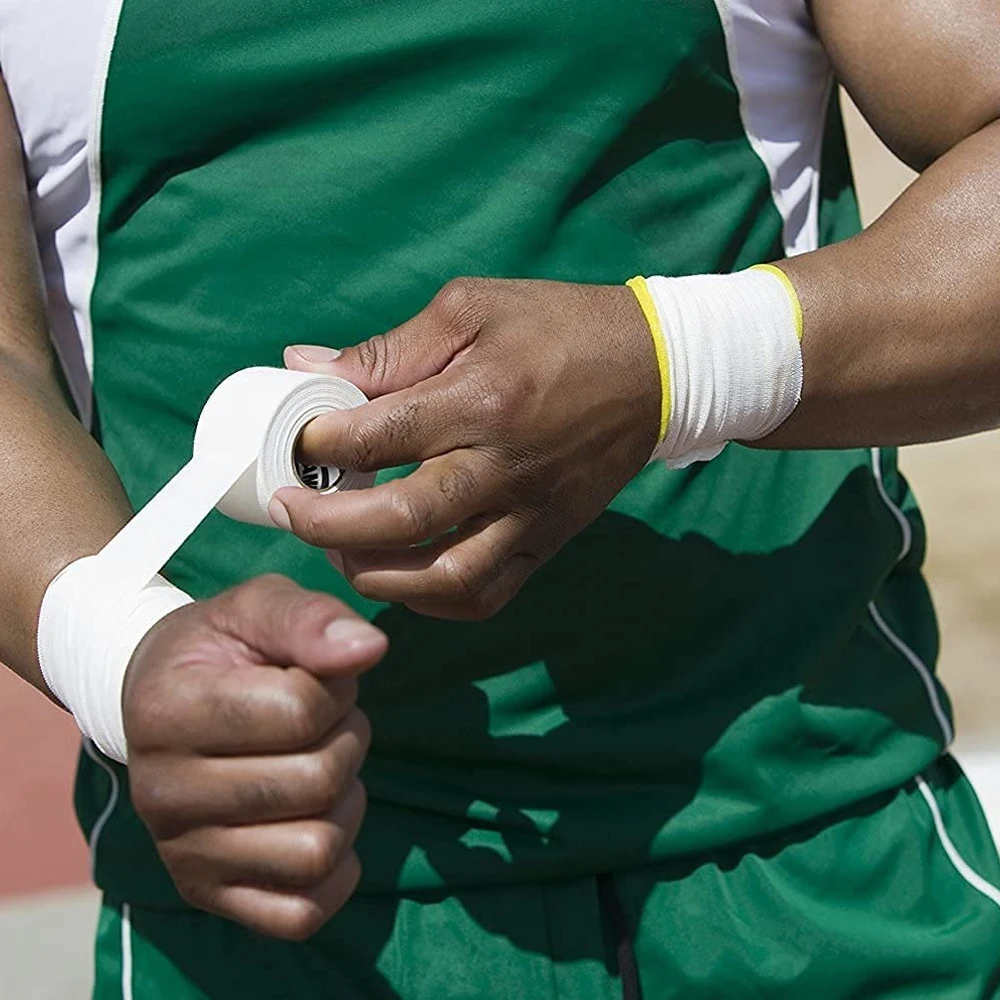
[96, 611]
[731, 362]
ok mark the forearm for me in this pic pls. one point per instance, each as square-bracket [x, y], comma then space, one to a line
[902, 323]
[60, 496]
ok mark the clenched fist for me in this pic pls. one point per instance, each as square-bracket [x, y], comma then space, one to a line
[530, 404]
[245, 743]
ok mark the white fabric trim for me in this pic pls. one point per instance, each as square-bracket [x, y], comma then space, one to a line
[51, 54]
[92, 214]
[784, 80]
[925, 673]
[126, 952]
[109, 806]
[963, 868]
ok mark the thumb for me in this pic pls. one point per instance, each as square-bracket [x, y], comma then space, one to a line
[281, 624]
[416, 350]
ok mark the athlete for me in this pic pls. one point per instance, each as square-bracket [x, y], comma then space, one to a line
[657, 713]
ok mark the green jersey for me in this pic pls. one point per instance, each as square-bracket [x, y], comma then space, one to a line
[730, 650]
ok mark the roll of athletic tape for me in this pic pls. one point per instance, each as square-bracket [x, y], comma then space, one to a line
[267, 408]
[244, 450]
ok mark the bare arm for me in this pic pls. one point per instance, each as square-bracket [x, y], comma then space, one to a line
[78, 503]
[902, 323]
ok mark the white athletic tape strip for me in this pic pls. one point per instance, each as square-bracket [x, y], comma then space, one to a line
[735, 360]
[97, 610]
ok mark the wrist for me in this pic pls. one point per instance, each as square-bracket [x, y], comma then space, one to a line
[731, 358]
[87, 634]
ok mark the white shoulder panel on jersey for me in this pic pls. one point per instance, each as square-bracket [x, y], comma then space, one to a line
[784, 79]
[50, 52]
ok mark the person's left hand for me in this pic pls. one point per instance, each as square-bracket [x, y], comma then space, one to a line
[530, 404]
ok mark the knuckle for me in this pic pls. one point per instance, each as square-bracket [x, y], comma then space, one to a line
[460, 581]
[317, 853]
[412, 513]
[307, 607]
[373, 356]
[360, 443]
[303, 718]
[323, 780]
[302, 920]
[458, 301]
[458, 484]
[258, 589]
[312, 523]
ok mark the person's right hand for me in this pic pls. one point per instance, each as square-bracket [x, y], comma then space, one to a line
[244, 746]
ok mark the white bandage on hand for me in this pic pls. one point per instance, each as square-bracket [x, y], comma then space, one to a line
[87, 633]
[733, 358]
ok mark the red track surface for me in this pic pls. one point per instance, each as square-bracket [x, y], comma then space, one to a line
[41, 846]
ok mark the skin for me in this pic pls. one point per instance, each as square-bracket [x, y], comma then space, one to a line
[902, 344]
[244, 737]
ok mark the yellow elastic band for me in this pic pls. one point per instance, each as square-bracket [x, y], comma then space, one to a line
[639, 287]
[793, 296]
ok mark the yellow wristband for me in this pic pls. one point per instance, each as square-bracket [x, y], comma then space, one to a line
[638, 286]
[793, 296]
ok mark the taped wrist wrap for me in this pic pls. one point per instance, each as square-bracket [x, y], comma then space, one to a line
[87, 634]
[731, 362]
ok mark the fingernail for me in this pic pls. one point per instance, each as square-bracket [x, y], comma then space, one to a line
[278, 513]
[352, 636]
[315, 355]
[336, 559]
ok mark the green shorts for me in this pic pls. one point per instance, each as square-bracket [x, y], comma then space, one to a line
[893, 898]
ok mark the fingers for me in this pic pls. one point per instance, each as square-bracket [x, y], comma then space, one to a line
[277, 622]
[293, 855]
[451, 568]
[442, 493]
[419, 348]
[484, 603]
[406, 426]
[470, 574]
[243, 709]
[291, 916]
[172, 794]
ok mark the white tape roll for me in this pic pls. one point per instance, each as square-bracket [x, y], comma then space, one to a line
[244, 450]
[96, 611]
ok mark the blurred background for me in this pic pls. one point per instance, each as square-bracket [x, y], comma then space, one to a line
[48, 910]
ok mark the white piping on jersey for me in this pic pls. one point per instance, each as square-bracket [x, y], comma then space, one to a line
[784, 81]
[926, 676]
[126, 952]
[923, 671]
[93, 208]
[904, 522]
[109, 806]
[963, 868]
